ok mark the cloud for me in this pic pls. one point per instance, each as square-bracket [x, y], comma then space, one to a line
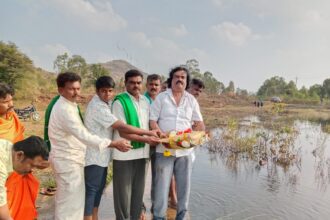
[140, 38]
[97, 14]
[178, 31]
[218, 3]
[54, 49]
[237, 34]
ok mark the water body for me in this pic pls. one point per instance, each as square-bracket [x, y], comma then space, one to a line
[223, 189]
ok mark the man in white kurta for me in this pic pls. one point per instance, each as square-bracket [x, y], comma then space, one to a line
[69, 137]
[129, 167]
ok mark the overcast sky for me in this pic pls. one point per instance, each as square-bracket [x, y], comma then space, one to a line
[246, 41]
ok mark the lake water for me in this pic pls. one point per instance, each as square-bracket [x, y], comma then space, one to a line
[224, 188]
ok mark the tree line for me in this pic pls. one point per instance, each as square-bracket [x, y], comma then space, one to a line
[277, 86]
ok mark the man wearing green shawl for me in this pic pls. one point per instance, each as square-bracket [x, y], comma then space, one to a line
[129, 167]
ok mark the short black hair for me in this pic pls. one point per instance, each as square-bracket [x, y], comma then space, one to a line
[32, 146]
[132, 73]
[65, 77]
[198, 83]
[174, 70]
[153, 77]
[5, 90]
[104, 82]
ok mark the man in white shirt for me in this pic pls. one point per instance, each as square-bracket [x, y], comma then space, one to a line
[174, 110]
[21, 157]
[99, 120]
[69, 137]
[129, 167]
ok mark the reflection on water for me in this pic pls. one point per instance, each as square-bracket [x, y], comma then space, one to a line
[231, 184]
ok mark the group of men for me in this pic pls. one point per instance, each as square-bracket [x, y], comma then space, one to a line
[18, 156]
[125, 129]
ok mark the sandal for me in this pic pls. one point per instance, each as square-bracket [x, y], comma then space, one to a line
[47, 191]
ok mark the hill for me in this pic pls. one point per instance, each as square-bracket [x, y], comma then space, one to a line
[118, 68]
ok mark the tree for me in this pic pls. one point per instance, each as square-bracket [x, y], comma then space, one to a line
[273, 87]
[13, 63]
[76, 64]
[326, 88]
[230, 88]
[61, 63]
[96, 71]
[193, 66]
[316, 91]
[291, 88]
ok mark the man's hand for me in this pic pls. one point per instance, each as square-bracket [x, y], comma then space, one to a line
[154, 133]
[152, 141]
[121, 145]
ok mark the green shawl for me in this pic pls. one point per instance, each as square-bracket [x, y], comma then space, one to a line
[130, 115]
[146, 94]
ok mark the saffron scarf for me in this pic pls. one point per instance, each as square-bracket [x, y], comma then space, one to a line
[11, 128]
[22, 190]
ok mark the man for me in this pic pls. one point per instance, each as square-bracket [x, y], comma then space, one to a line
[22, 190]
[129, 167]
[69, 137]
[176, 110]
[10, 126]
[196, 87]
[153, 87]
[20, 157]
[99, 120]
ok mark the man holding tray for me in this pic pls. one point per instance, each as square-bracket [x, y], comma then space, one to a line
[174, 110]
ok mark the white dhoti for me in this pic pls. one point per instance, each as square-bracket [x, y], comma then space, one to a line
[70, 195]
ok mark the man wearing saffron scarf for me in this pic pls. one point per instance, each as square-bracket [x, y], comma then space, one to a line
[20, 157]
[22, 190]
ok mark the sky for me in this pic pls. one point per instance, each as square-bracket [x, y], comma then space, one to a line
[246, 41]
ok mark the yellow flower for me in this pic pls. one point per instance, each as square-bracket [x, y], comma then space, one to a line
[167, 153]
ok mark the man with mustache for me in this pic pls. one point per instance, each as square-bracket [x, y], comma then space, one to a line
[20, 157]
[22, 189]
[196, 87]
[174, 110]
[129, 167]
[68, 138]
[153, 87]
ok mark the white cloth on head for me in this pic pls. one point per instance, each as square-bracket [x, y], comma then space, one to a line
[98, 120]
[171, 117]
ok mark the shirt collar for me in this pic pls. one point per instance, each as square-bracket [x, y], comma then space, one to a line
[68, 101]
[133, 98]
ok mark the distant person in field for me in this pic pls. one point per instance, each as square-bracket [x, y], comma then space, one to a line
[174, 110]
[20, 158]
[100, 121]
[196, 87]
[22, 189]
[68, 139]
